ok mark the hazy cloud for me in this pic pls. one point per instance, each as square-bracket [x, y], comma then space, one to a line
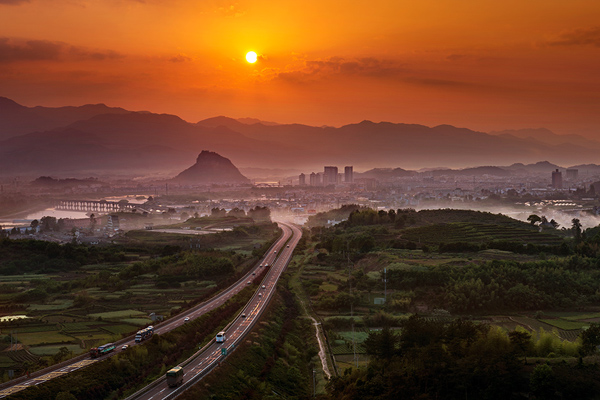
[589, 36]
[13, 2]
[229, 9]
[12, 50]
[368, 67]
[180, 58]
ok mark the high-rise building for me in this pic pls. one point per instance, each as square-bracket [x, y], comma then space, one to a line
[348, 174]
[302, 179]
[557, 179]
[330, 175]
[314, 179]
[572, 174]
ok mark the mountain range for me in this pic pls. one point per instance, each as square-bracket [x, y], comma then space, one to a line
[96, 139]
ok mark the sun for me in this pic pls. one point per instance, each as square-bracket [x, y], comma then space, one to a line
[251, 57]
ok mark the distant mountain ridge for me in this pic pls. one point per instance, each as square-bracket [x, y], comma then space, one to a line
[94, 138]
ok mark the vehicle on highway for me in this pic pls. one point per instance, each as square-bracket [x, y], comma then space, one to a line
[260, 295]
[249, 283]
[175, 376]
[125, 347]
[275, 251]
[254, 273]
[186, 319]
[243, 315]
[220, 337]
[101, 350]
[144, 334]
[264, 287]
[288, 246]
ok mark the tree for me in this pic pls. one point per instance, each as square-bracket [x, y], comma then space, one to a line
[382, 345]
[534, 219]
[590, 339]
[541, 381]
[49, 223]
[554, 224]
[520, 341]
[576, 229]
[35, 223]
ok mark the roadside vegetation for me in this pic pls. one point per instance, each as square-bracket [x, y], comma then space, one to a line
[476, 280]
[61, 300]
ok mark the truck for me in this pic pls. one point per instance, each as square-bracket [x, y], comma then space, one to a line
[175, 376]
[144, 334]
[101, 350]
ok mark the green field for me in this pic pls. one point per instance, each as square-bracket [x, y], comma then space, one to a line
[53, 349]
[564, 324]
[36, 338]
[117, 314]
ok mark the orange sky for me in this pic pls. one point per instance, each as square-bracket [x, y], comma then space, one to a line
[485, 65]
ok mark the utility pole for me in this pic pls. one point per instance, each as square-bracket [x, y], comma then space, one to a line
[385, 285]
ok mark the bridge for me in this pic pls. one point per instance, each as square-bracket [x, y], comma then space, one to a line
[102, 206]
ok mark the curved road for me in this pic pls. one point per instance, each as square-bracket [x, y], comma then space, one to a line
[212, 354]
[84, 360]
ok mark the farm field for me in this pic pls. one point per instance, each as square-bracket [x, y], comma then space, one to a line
[101, 301]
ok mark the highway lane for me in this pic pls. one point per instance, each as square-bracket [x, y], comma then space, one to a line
[212, 354]
[84, 360]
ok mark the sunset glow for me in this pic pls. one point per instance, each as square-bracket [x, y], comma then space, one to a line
[482, 65]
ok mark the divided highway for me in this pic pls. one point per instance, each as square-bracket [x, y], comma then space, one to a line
[212, 354]
[84, 360]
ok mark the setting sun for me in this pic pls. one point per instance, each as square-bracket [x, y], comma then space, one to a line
[251, 57]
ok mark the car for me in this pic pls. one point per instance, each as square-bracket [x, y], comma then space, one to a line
[260, 295]
[125, 347]
[261, 265]
[186, 319]
[264, 287]
[243, 315]
[275, 251]
[249, 283]
[254, 273]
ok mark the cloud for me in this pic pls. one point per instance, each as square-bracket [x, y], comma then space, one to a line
[180, 58]
[13, 2]
[229, 9]
[14, 50]
[314, 70]
[578, 37]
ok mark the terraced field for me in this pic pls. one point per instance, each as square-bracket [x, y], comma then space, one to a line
[477, 233]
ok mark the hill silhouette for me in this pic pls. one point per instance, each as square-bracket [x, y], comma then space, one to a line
[209, 168]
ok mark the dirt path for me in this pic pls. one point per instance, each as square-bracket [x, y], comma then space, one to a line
[322, 354]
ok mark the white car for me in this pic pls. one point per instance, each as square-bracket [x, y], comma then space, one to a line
[264, 287]
[243, 315]
[125, 347]
[186, 319]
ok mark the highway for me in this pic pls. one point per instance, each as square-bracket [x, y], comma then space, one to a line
[84, 360]
[212, 354]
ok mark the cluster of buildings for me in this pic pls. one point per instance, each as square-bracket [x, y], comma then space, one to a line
[557, 179]
[330, 176]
